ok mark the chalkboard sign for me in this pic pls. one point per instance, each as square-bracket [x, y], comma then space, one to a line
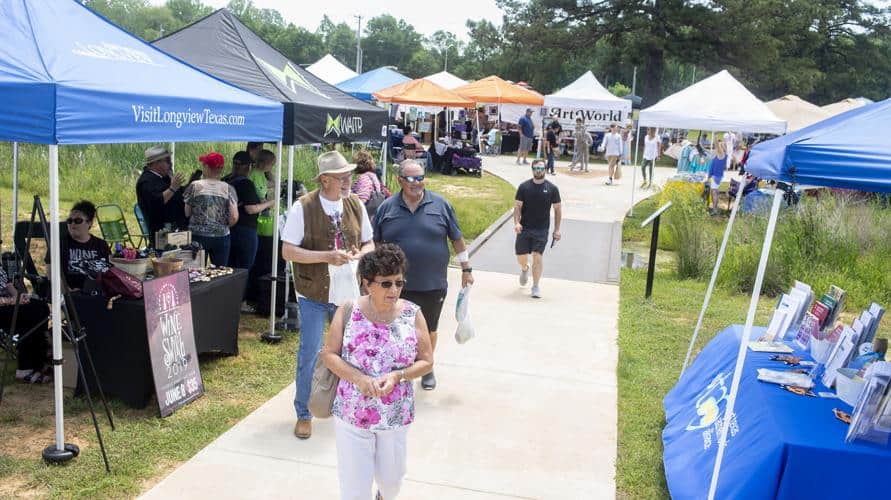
[168, 317]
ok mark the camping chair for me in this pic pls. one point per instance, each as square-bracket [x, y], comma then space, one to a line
[113, 226]
[143, 225]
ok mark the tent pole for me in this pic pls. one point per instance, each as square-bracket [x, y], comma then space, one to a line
[634, 168]
[288, 273]
[435, 126]
[479, 136]
[711, 283]
[271, 335]
[386, 143]
[744, 342]
[15, 183]
[56, 290]
[173, 157]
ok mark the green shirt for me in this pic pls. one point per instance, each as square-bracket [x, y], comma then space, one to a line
[259, 179]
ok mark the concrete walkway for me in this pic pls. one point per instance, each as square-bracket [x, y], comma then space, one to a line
[525, 410]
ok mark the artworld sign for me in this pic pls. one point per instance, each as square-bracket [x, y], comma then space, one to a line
[596, 119]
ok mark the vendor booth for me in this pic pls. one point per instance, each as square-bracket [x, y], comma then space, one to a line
[587, 99]
[797, 112]
[510, 101]
[67, 76]
[446, 80]
[330, 70]
[775, 434]
[365, 85]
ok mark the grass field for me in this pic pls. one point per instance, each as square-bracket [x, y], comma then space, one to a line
[144, 448]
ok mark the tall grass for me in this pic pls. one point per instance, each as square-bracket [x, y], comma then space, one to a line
[684, 231]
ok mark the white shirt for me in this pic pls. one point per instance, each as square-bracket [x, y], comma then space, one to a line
[651, 148]
[613, 144]
[294, 228]
[729, 142]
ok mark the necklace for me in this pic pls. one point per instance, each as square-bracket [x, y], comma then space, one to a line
[377, 317]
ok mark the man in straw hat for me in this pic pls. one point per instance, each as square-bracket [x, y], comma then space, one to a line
[326, 226]
[158, 193]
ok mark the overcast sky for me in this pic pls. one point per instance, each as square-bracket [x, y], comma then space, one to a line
[426, 18]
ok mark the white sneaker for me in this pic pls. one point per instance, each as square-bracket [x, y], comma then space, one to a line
[524, 277]
[536, 292]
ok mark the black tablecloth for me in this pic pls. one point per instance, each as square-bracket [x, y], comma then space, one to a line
[118, 340]
[510, 143]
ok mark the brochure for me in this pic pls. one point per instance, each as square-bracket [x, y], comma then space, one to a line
[810, 327]
[839, 356]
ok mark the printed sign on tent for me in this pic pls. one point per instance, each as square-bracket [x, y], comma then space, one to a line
[168, 317]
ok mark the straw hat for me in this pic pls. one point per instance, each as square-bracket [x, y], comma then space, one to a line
[155, 153]
[333, 162]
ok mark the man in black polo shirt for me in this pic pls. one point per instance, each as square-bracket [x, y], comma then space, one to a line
[532, 220]
[422, 223]
[158, 193]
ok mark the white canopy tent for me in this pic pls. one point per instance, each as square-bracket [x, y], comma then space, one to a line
[848, 104]
[586, 98]
[330, 70]
[446, 80]
[719, 102]
[797, 112]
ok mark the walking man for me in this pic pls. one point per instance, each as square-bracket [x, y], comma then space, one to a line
[532, 221]
[552, 144]
[422, 223]
[328, 226]
[650, 155]
[612, 147]
[527, 135]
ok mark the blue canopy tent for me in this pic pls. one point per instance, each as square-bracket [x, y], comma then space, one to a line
[366, 84]
[846, 151]
[68, 76]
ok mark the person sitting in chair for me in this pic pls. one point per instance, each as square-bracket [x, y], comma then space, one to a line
[81, 250]
[409, 152]
[30, 328]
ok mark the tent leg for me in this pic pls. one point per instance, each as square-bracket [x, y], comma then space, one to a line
[290, 198]
[60, 451]
[272, 336]
[634, 169]
[744, 342]
[711, 283]
[386, 144]
[15, 183]
[173, 157]
[479, 135]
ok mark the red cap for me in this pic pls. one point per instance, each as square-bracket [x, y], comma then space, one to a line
[213, 160]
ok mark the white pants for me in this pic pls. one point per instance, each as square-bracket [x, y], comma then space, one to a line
[364, 456]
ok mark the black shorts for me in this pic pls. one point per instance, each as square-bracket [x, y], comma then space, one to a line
[531, 241]
[430, 302]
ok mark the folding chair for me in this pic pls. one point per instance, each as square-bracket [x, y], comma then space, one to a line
[143, 225]
[113, 226]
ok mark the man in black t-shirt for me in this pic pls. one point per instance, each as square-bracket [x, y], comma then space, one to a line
[158, 193]
[243, 235]
[532, 220]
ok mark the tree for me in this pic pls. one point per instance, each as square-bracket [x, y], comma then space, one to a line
[446, 47]
[339, 40]
[390, 42]
[187, 11]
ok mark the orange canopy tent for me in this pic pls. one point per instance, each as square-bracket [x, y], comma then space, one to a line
[422, 92]
[494, 90]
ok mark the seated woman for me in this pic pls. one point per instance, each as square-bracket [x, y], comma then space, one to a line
[410, 139]
[80, 249]
[30, 328]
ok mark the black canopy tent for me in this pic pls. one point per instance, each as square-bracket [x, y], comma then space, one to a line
[315, 111]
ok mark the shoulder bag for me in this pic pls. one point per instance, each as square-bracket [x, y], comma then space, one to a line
[324, 381]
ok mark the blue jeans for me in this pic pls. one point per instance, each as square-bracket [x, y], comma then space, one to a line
[217, 247]
[550, 166]
[312, 324]
[243, 251]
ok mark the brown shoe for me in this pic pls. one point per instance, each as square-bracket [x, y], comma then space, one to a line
[303, 429]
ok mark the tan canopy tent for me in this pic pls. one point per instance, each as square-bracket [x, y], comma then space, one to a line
[797, 112]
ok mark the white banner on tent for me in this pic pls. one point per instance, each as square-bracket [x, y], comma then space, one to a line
[596, 119]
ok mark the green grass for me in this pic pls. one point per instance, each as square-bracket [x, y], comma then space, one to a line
[145, 448]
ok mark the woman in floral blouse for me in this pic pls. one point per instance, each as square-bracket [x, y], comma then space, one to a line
[376, 352]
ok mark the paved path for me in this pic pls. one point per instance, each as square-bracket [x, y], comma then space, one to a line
[525, 410]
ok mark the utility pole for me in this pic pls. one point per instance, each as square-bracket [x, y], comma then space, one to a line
[359, 45]
[634, 82]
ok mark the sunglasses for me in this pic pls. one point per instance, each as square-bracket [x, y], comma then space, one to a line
[75, 220]
[412, 178]
[538, 168]
[387, 284]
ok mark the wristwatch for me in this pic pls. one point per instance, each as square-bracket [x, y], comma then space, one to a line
[402, 376]
[467, 270]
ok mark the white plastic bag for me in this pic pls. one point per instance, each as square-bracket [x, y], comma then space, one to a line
[462, 315]
[344, 284]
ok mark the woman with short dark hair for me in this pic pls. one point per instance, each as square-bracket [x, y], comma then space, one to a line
[376, 350]
[81, 247]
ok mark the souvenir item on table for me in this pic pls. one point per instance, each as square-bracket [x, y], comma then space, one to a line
[764, 346]
[840, 356]
[873, 400]
[208, 274]
[842, 415]
[787, 359]
[785, 378]
[799, 391]
[810, 327]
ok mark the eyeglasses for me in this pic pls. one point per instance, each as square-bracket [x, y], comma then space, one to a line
[343, 178]
[411, 179]
[75, 220]
[387, 284]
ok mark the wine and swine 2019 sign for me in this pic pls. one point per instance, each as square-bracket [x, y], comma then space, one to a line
[168, 316]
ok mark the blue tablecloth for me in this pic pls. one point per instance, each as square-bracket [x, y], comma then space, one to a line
[781, 446]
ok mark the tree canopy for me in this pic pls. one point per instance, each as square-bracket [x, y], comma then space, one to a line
[820, 50]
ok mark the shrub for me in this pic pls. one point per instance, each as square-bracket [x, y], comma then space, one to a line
[686, 230]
